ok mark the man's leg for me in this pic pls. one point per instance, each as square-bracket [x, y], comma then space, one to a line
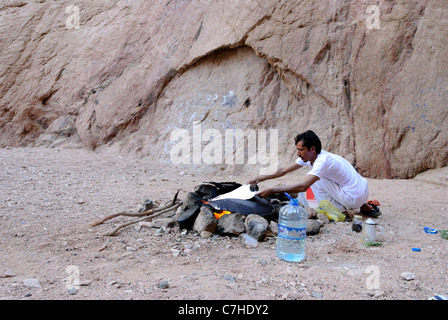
[324, 189]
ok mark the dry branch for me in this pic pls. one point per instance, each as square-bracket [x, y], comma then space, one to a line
[144, 216]
[114, 231]
[123, 213]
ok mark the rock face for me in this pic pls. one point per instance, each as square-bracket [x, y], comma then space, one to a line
[146, 77]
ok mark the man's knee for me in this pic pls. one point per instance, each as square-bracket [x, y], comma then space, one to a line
[318, 187]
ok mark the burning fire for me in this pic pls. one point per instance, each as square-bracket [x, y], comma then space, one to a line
[218, 214]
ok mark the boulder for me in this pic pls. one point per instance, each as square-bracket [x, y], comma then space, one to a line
[256, 226]
[205, 221]
[231, 224]
[136, 76]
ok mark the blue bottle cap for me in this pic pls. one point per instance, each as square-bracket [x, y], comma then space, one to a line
[289, 197]
[416, 249]
[430, 230]
[292, 201]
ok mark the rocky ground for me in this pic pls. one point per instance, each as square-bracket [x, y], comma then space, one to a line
[49, 196]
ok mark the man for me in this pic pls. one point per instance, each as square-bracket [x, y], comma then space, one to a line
[331, 177]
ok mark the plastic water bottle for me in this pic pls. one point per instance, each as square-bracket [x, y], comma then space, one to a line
[292, 231]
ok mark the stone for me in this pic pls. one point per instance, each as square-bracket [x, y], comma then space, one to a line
[8, 274]
[273, 227]
[256, 226]
[32, 283]
[231, 224]
[164, 284]
[72, 291]
[146, 205]
[206, 234]
[229, 277]
[313, 227]
[162, 223]
[379, 294]
[408, 276]
[175, 252]
[186, 252]
[248, 240]
[145, 224]
[205, 221]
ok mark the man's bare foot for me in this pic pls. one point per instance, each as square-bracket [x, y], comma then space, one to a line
[366, 207]
[370, 210]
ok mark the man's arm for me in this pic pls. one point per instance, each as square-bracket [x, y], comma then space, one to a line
[297, 188]
[280, 173]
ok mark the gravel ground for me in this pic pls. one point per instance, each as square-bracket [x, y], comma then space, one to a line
[49, 197]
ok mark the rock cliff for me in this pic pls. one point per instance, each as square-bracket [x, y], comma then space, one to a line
[142, 77]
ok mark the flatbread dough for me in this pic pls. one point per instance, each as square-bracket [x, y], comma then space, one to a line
[242, 193]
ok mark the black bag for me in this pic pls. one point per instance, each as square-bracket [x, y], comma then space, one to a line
[203, 192]
[210, 190]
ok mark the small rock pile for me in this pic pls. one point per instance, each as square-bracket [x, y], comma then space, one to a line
[236, 224]
[197, 215]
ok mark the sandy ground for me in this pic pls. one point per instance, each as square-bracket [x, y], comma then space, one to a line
[49, 196]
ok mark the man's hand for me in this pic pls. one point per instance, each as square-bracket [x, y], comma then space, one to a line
[253, 182]
[265, 193]
[297, 188]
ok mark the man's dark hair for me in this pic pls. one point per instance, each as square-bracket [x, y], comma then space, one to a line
[309, 140]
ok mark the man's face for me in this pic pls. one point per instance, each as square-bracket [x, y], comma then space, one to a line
[304, 153]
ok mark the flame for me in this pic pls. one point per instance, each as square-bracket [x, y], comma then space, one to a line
[218, 215]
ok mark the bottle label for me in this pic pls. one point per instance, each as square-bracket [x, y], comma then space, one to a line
[291, 233]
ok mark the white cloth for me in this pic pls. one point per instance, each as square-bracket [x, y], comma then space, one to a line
[339, 182]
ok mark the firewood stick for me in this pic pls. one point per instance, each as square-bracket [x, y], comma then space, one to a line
[123, 213]
[135, 214]
[114, 231]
